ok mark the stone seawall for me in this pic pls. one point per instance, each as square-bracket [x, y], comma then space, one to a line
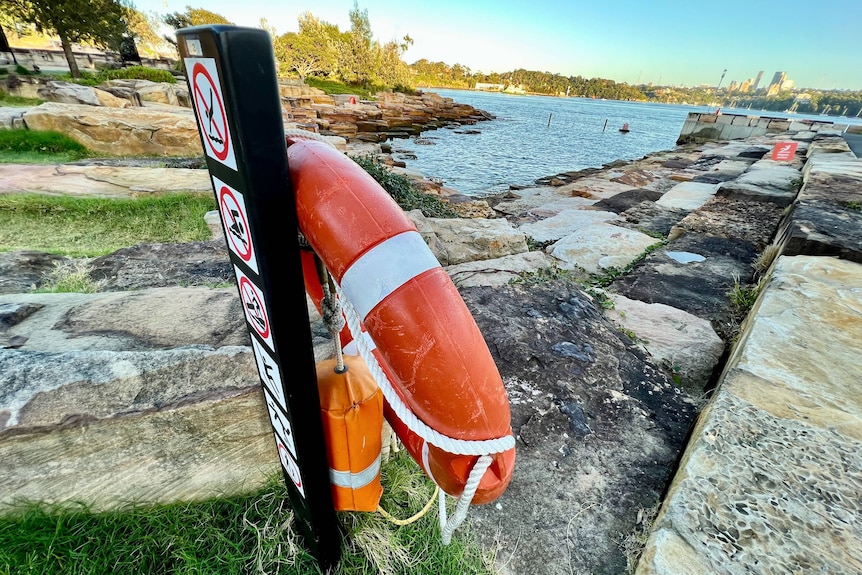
[711, 127]
[770, 479]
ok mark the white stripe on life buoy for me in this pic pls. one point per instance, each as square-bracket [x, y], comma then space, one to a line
[384, 268]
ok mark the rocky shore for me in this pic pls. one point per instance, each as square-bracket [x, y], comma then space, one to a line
[605, 383]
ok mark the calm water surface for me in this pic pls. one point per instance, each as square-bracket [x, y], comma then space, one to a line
[521, 146]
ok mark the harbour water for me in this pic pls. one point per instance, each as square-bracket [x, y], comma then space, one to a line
[537, 136]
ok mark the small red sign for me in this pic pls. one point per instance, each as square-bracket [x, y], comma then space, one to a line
[784, 151]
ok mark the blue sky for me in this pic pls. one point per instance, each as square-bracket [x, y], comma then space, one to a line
[672, 42]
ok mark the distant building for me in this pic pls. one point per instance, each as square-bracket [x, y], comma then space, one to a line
[745, 86]
[780, 82]
[757, 81]
[513, 89]
[733, 86]
[787, 85]
[489, 87]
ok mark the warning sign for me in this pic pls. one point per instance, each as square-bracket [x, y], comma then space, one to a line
[210, 110]
[784, 151]
[270, 375]
[234, 218]
[290, 466]
[254, 307]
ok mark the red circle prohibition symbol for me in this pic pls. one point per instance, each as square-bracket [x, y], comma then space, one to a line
[253, 308]
[235, 223]
[291, 466]
[213, 132]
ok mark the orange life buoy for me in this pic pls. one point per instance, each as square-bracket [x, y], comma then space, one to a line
[426, 340]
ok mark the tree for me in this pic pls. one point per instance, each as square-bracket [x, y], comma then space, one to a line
[357, 58]
[194, 17]
[142, 28]
[101, 22]
[312, 50]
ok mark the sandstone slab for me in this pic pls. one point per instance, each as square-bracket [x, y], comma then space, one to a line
[687, 196]
[499, 271]
[129, 131]
[599, 247]
[466, 240]
[685, 345]
[777, 452]
[597, 425]
[564, 223]
[110, 429]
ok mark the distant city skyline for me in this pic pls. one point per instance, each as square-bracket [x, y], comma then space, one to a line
[660, 42]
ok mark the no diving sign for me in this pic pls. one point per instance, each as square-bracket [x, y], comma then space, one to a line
[234, 218]
[210, 110]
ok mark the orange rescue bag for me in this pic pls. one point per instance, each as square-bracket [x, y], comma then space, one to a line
[351, 407]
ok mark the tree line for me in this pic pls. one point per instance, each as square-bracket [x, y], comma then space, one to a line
[320, 49]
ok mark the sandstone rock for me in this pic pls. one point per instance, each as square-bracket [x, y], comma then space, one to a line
[70, 93]
[687, 196]
[22, 271]
[770, 453]
[145, 319]
[699, 288]
[131, 131]
[564, 223]
[598, 427]
[162, 265]
[122, 427]
[598, 247]
[12, 118]
[680, 342]
[145, 179]
[158, 92]
[750, 221]
[429, 235]
[499, 271]
[467, 240]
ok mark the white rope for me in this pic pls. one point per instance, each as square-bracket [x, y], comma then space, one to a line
[404, 413]
[447, 528]
[334, 319]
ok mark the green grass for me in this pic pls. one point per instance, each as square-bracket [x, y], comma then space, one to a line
[336, 87]
[404, 192]
[89, 227]
[7, 99]
[132, 72]
[30, 143]
[238, 535]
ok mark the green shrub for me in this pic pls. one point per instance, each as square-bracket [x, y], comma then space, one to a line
[141, 73]
[130, 73]
[46, 142]
[22, 71]
[404, 192]
[4, 72]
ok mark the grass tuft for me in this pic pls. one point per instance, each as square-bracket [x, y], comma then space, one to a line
[71, 276]
[90, 227]
[239, 535]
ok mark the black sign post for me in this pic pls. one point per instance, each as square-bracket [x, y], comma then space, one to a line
[234, 91]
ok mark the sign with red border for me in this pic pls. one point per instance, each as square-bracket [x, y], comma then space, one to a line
[290, 466]
[254, 306]
[784, 151]
[234, 218]
[210, 110]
